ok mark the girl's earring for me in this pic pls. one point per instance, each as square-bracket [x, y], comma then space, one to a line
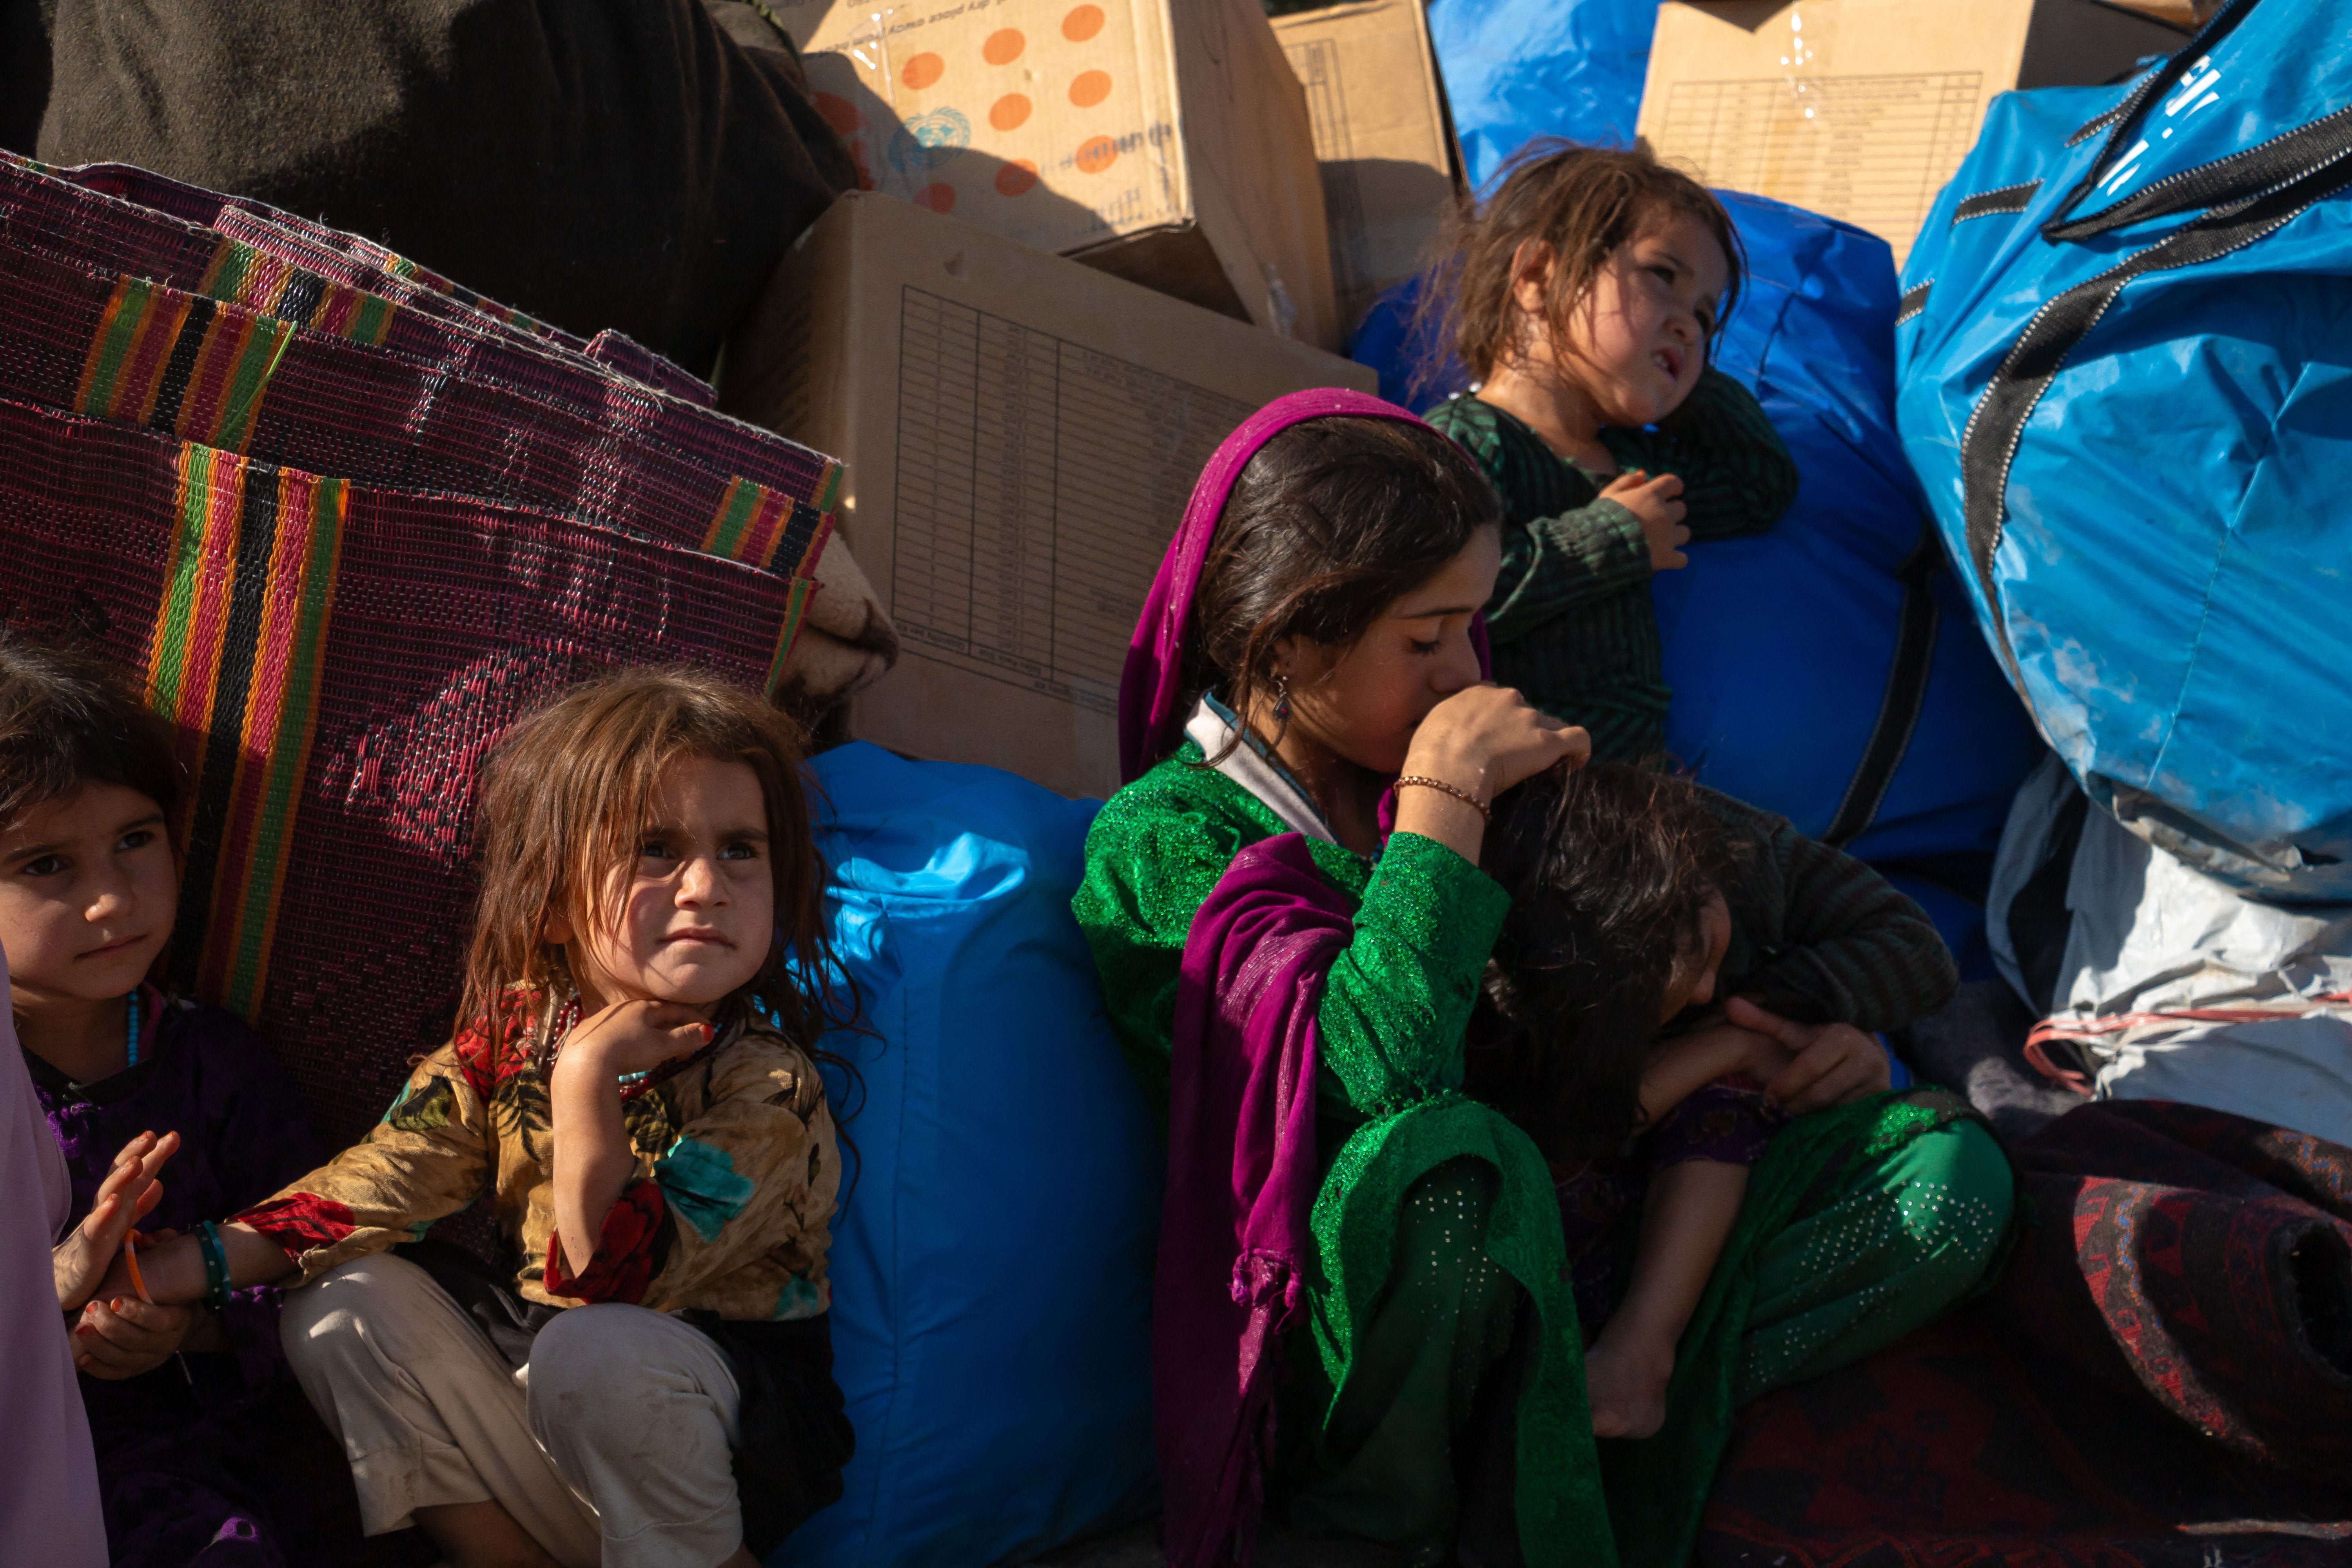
[1282, 699]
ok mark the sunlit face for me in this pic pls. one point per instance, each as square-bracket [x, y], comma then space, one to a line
[1365, 703]
[694, 919]
[1692, 984]
[88, 895]
[1642, 331]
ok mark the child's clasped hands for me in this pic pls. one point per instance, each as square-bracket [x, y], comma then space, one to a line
[117, 1332]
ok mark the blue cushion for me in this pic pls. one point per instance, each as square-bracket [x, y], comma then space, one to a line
[991, 1268]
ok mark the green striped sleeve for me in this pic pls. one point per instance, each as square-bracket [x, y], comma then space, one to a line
[1738, 477]
[1556, 565]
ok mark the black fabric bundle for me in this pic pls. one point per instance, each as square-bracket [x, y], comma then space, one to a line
[630, 164]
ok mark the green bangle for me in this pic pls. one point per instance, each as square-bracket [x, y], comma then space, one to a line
[216, 1282]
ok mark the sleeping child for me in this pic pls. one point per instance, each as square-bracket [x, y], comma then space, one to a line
[1680, 972]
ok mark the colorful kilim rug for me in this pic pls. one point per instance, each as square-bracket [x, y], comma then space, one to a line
[450, 347]
[361, 263]
[337, 659]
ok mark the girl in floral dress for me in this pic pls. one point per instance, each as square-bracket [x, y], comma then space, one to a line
[646, 1375]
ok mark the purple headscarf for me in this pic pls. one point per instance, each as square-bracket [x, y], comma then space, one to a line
[1151, 687]
[1242, 1168]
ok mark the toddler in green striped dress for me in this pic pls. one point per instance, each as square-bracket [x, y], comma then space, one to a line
[1583, 297]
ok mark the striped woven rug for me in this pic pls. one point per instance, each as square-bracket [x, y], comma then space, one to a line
[319, 392]
[345, 536]
[503, 383]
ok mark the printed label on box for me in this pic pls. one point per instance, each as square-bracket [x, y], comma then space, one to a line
[1039, 481]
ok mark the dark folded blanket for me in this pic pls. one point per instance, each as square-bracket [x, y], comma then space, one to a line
[2202, 1257]
[2159, 1381]
[601, 163]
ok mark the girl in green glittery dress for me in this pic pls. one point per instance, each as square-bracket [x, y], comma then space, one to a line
[1309, 665]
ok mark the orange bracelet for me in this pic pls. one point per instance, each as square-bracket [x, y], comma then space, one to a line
[1439, 785]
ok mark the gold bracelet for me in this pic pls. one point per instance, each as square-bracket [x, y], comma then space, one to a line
[1444, 788]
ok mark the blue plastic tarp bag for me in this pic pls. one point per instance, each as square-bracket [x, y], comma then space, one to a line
[1829, 670]
[992, 1265]
[1393, 338]
[1515, 69]
[2127, 383]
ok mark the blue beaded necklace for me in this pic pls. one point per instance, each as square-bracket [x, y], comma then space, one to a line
[133, 1032]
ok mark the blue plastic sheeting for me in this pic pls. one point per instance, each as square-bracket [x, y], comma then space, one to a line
[992, 1269]
[1521, 69]
[1959, 917]
[1387, 340]
[1390, 342]
[2151, 500]
[1779, 647]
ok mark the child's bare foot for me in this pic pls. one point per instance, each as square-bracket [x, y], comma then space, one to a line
[1625, 1384]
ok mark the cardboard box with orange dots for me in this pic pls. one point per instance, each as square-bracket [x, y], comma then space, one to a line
[1164, 141]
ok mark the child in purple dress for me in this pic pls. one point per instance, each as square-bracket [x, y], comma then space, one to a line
[190, 1407]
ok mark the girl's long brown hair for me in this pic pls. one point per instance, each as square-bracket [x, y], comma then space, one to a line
[564, 800]
[1583, 204]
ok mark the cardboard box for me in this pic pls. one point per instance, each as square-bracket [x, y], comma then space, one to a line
[1165, 141]
[1021, 434]
[1863, 109]
[1389, 167]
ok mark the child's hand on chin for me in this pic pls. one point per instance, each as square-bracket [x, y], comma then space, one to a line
[635, 1036]
[1626, 1387]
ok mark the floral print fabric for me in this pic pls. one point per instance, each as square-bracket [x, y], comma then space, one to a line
[730, 1208]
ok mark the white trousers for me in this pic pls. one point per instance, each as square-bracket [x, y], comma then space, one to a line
[613, 1446]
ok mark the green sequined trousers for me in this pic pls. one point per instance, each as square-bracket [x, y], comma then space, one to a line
[1442, 1346]
[1902, 1229]
[1444, 1320]
[1900, 1238]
